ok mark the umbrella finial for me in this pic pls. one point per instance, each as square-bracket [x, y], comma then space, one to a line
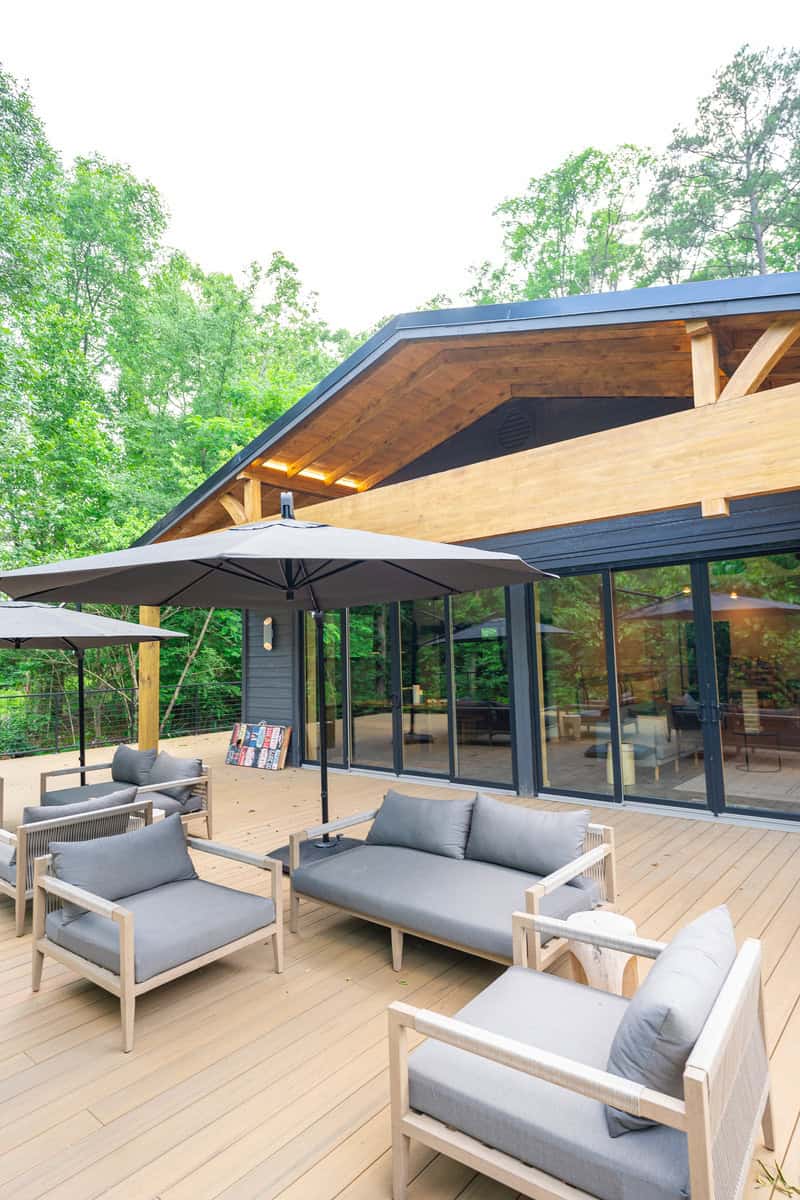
[287, 506]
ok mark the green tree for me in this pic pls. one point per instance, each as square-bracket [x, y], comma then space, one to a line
[573, 230]
[727, 195]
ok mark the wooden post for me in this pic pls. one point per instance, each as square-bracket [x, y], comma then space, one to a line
[705, 362]
[252, 499]
[149, 676]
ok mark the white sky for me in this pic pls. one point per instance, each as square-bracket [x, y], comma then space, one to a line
[369, 142]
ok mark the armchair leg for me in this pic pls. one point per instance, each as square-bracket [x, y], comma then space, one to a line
[277, 950]
[294, 909]
[398, 1087]
[20, 916]
[127, 1008]
[38, 963]
[397, 949]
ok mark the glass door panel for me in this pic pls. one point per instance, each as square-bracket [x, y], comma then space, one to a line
[423, 641]
[574, 711]
[660, 697]
[755, 608]
[371, 691]
[334, 688]
[482, 702]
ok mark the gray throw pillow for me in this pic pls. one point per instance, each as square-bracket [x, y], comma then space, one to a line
[167, 768]
[435, 826]
[124, 865]
[525, 838]
[132, 766]
[30, 816]
[666, 1016]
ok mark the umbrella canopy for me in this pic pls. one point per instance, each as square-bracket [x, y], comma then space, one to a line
[286, 563]
[495, 627]
[26, 626]
[723, 605]
[282, 564]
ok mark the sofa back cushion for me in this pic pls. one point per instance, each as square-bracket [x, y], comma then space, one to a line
[51, 812]
[132, 766]
[124, 865]
[31, 816]
[666, 1016]
[166, 768]
[436, 826]
[525, 838]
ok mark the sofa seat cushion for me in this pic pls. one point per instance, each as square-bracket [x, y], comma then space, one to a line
[172, 924]
[458, 900]
[76, 795]
[8, 863]
[170, 805]
[546, 1126]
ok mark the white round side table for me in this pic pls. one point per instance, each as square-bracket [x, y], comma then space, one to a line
[607, 970]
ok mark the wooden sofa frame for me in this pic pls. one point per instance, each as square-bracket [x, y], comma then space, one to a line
[32, 841]
[124, 985]
[711, 1068]
[201, 783]
[597, 861]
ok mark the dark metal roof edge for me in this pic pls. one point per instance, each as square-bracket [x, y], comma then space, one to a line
[716, 297]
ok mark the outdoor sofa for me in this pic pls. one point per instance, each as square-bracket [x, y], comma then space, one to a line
[176, 785]
[137, 915]
[561, 1092]
[119, 812]
[453, 872]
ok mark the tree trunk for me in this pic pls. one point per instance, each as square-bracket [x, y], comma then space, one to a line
[758, 234]
[189, 660]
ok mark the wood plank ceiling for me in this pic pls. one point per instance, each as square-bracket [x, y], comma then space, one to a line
[422, 392]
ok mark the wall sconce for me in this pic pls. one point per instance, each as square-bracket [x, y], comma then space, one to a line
[268, 642]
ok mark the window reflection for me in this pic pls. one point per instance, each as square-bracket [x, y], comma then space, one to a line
[424, 680]
[480, 667]
[334, 696]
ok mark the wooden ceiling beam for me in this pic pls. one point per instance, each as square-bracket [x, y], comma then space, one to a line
[252, 498]
[280, 480]
[759, 361]
[706, 382]
[233, 507]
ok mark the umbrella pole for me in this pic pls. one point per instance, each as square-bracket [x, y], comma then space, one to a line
[81, 715]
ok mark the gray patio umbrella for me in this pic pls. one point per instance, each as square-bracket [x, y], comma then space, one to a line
[28, 626]
[723, 605]
[283, 564]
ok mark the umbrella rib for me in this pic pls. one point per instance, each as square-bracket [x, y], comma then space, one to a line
[311, 579]
[240, 572]
[446, 587]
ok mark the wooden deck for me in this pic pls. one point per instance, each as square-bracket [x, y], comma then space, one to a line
[247, 1085]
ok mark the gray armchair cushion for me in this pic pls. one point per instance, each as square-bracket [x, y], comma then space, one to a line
[132, 766]
[546, 1126]
[669, 1010]
[457, 900]
[31, 815]
[435, 826]
[76, 795]
[8, 863]
[171, 924]
[126, 864]
[525, 838]
[166, 768]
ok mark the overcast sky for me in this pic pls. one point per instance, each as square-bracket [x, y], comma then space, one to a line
[369, 142]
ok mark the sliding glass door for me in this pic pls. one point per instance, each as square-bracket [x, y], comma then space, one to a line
[372, 687]
[678, 684]
[424, 669]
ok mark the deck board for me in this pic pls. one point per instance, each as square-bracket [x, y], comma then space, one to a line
[245, 1085]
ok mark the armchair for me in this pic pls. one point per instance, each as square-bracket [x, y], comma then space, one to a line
[33, 837]
[139, 916]
[525, 1102]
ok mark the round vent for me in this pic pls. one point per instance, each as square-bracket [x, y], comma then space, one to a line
[514, 432]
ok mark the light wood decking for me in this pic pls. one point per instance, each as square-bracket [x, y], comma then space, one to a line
[244, 1084]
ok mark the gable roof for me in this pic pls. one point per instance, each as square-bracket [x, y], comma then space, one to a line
[714, 299]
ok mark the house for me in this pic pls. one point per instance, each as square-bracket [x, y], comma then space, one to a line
[643, 445]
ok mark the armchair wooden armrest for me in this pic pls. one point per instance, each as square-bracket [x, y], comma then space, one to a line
[75, 895]
[525, 923]
[8, 839]
[171, 783]
[45, 775]
[600, 1085]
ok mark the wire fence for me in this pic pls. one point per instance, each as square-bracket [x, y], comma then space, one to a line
[43, 722]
